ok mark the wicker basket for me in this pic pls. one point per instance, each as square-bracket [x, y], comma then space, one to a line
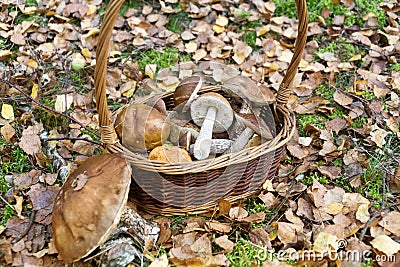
[197, 187]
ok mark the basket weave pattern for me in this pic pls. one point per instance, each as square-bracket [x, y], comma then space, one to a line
[196, 187]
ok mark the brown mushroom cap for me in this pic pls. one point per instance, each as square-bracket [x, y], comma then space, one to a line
[185, 89]
[170, 154]
[141, 127]
[89, 205]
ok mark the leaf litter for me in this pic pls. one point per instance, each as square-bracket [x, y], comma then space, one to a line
[317, 198]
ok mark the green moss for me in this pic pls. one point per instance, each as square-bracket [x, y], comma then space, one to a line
[316, 120]
[50, 121]
[352, 17]
[340, 48]
[170, 56]
[254, 205]
[314, 175]
[178, 22]
[4, 186]
[245, 254]
[13, 159]
[358, 122]
[7, 214]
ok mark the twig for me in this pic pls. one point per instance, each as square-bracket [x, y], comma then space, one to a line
[47, 108]
[72, 138]
[282, 202]
[366, 226]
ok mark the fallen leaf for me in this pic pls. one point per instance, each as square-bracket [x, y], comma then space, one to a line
[362, 213]
[80, 181]
[8, 132]
[342, 99]
[391, 222]
[288, 232]
[7, 112]
[225, 243]
[325, 242]
[238, 213]
[30, 141]
[63, 102]
[385, 244]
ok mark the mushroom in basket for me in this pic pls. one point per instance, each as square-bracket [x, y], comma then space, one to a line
[213, 113]
[89, 206]
[169, 154]
[141, 127]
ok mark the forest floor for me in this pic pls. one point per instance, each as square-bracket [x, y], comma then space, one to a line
[335, 198]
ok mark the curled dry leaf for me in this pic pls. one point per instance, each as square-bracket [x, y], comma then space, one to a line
[238, 213]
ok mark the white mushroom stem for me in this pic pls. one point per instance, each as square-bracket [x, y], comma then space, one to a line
[237, 127]
[193, 96]
[203, 142]
[241, 141]
[218, 146]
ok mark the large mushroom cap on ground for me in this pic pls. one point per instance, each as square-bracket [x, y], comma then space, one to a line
[89, 205]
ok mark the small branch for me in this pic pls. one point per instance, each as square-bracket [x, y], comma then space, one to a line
[72, 138]
[48, 108]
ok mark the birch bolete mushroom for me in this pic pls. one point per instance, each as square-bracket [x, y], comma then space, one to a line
[213, 113]
[187, 90]
[141, 127]
[89, 205]
[170, 154]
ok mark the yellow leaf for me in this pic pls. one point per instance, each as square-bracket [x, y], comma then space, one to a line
[86, 53]
[150, 70]
[4, 54]
[35, 89]
[29, 10]
[218, 29]
[385, 244]
[222, 21]
[92, 31]
[18, 205]
[32, 63]
[355, 57]
[7, 112]
[91, 10]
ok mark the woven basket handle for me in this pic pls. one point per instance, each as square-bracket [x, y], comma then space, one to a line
[286, 86]
[103, 45]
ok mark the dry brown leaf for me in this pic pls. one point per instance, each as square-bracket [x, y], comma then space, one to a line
[342, 99]
[224, 207]
[260, 237]
[7, 131]
[385, 244]
[362, 213]
[225, 243]
[30, 141]
[238, 213]
[288, 232]
[337, 124]
[218, 227]
[325, 242]
[391, 222]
